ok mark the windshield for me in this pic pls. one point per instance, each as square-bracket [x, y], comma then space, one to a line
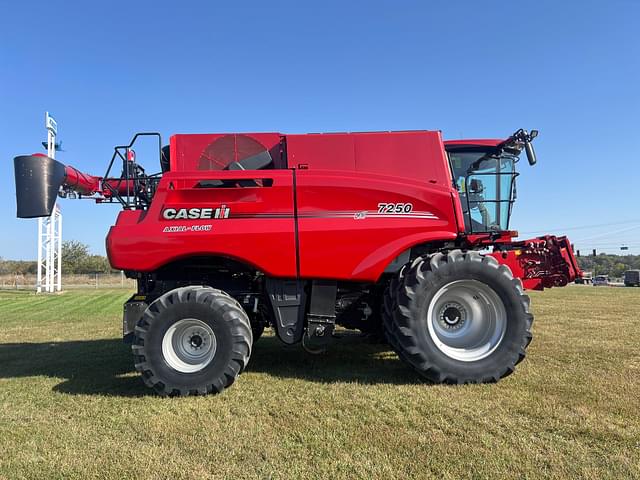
[486, 185]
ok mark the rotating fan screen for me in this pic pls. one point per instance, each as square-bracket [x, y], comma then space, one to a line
[229, 148]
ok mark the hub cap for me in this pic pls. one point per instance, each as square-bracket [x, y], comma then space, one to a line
[466, 320]
[189, 345]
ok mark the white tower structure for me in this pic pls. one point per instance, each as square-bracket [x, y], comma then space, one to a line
[50, 231]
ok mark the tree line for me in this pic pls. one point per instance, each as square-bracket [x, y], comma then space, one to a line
[612, 265]
[76, 258]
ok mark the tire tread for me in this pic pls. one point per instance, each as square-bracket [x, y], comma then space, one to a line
[228, 310]
[397, 315]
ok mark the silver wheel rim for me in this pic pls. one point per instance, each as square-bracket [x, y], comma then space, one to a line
[466, 320]
[189, 345]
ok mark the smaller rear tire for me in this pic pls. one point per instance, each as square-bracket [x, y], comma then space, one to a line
[192, 341]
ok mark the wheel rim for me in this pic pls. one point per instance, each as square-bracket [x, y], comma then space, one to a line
[466, 320]
[189, 345]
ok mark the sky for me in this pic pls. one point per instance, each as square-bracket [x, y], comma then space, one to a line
[471, 69]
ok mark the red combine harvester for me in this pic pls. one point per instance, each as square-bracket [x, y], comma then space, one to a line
[399, 234]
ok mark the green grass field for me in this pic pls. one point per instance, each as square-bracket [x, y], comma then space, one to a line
[72, 407]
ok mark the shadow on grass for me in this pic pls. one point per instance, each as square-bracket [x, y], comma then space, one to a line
[104, 367]
[86, 366]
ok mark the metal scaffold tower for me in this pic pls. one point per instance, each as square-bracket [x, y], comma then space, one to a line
[50, 231]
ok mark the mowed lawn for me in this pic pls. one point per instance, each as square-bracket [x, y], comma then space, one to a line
[72, 407]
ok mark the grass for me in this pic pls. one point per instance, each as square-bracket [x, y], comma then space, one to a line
[71, 406]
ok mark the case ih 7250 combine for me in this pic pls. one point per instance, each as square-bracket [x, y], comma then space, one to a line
[400, 234]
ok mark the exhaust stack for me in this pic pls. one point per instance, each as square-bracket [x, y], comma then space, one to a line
[38, 179]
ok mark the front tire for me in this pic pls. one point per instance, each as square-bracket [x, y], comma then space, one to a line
[458, 317]
[192, 341]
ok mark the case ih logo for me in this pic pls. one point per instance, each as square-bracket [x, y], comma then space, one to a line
[196, 213]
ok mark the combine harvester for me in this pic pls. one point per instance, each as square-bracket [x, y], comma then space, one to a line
[396, 233]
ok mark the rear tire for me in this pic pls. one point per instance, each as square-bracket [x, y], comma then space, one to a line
[458, 317]
[192, 341]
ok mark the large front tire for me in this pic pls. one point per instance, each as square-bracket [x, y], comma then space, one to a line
[192, 341]
[458, 317]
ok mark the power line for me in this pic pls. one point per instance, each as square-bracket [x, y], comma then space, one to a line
[582, 227]
[606, 234]
[617, 244]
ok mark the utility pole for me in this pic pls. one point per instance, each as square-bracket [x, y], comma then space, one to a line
[49, 277]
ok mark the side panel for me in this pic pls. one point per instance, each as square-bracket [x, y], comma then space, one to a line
[332, 151]
[413, 155]
[251, 220]
[351, 225]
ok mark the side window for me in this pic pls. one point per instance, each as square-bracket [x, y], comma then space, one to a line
[485, 183]
[481, 195]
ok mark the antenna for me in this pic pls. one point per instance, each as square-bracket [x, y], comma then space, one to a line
[50, 229]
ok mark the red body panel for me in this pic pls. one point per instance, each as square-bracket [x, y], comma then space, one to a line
[260, 232]
[343, 234]
[414, 155]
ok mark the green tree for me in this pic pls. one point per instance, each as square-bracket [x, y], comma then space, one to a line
[612, 265]
[95, 264]
[76, 258]
[74, 255]
[618, 269]
[19, 267]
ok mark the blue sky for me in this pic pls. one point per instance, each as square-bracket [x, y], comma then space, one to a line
[471, 69]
